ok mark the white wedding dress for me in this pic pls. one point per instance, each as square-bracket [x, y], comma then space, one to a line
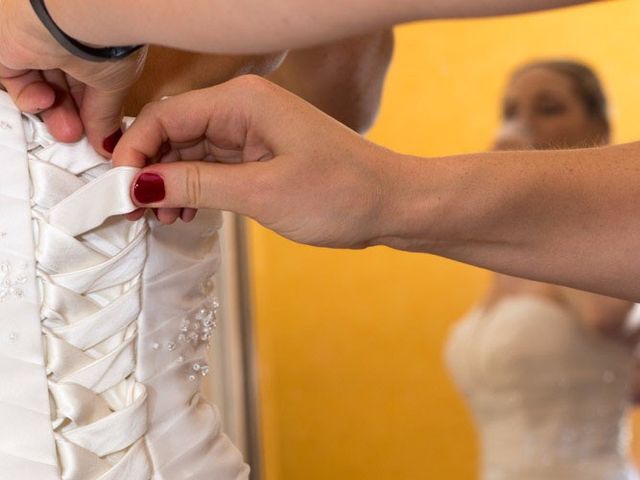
[104, 323]
[550, 398]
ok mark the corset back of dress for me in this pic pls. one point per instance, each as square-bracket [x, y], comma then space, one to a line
[177, 321]
[550, 398]
[106, 323]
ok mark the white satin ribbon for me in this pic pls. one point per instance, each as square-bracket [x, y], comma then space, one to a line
[84, 210]
[90, 270]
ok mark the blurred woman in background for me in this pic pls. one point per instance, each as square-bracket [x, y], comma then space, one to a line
[546, 370]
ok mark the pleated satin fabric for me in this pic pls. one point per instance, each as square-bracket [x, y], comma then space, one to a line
[27, 448]
[103, 362]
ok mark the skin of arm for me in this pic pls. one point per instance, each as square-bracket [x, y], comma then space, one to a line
[605, 315]
[170, 72]
[566, 217]
[256, 26]
[344, 79]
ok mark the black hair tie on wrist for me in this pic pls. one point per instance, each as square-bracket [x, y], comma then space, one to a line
[73, 46]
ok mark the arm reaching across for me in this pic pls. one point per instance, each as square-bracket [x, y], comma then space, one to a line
[566, 217]
[75, 95]
[256, 26]
[344, 79]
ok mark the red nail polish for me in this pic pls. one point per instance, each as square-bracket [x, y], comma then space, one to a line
[149, 188]
[109, 143]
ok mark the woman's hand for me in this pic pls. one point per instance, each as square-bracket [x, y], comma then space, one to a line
[71, 95]
[564, 217]
[251, 147]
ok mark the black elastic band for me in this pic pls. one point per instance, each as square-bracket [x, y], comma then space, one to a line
[75, 47]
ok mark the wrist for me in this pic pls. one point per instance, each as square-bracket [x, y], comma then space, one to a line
[95, 23]
[23, 33]
[417, 197]
[84, 51]
[393, 210]
[68, 15]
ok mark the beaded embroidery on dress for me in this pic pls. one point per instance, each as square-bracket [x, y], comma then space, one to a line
[104, 323]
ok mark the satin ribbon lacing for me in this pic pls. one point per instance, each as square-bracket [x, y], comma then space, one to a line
[89, 270]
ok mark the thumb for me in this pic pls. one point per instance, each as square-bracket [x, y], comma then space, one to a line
[232, 187]
[101, 113]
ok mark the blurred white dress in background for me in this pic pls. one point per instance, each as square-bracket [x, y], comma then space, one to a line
[550, 399]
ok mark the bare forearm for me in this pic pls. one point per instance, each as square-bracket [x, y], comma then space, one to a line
[256, 26]
[566, 217]
[344, 79]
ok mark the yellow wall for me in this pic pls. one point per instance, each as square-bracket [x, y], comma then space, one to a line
[353, 385]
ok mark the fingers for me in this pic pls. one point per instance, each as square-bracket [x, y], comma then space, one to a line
[101, 113]
[215, 124]
[101, 91]
[62, 117]
[46, 93]
[188, 214]
[28, 89]
[217, 118]
[171, 186]
[166, 215]
[158, 123]
[136, 214]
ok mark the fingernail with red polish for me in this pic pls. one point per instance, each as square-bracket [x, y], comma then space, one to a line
[149, 188]
[109, 143]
